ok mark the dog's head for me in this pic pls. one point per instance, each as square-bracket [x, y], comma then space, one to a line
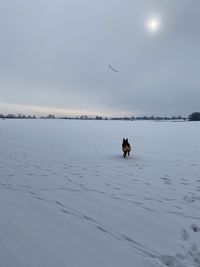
[125, 142]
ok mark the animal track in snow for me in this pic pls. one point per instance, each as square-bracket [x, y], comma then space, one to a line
[185, 183]
[195, 228]
[170, 261]
[191, 199]
[189, 256]
[184, 235]
[166, 180]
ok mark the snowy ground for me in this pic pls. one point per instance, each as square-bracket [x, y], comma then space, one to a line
[69, 198]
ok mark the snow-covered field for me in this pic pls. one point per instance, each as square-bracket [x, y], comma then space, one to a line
[69, 198]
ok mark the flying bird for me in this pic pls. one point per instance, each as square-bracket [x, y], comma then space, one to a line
[113, 69]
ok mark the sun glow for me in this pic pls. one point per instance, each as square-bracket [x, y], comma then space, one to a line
[153, 24]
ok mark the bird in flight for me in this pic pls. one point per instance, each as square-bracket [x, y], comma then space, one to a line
[113, 69]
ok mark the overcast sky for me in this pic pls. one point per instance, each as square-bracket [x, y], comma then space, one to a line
[55, 57]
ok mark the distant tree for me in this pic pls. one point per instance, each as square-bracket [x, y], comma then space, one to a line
[83, 117]
[195, 116]
[152, 118]
[10, 116]
[50, 116]
[98, 117]
[126, 118]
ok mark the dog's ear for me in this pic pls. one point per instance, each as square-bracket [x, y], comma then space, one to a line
[123, 140]
[126, 139]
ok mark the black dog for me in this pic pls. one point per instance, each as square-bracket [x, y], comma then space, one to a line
[126, 148]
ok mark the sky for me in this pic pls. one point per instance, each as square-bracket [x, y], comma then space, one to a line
[55, 57]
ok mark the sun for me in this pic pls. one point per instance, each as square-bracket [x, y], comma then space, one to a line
[153, 24]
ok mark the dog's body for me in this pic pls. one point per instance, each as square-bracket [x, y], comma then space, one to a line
[126, 148]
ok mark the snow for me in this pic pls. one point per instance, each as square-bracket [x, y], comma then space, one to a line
[69, 198]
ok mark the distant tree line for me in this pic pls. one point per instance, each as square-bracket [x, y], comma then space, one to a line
[150, 118]
[195, 116]
[19, 116]
[132, 118]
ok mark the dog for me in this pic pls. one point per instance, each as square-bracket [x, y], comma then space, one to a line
[126, 148]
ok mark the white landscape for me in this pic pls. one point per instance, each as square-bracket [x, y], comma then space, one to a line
[69, 198]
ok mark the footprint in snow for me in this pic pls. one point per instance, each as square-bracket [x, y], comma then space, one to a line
[166, 180]
[184, 235]
[185, 183]
[170, 261]
[195, 228]
[191, 199]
